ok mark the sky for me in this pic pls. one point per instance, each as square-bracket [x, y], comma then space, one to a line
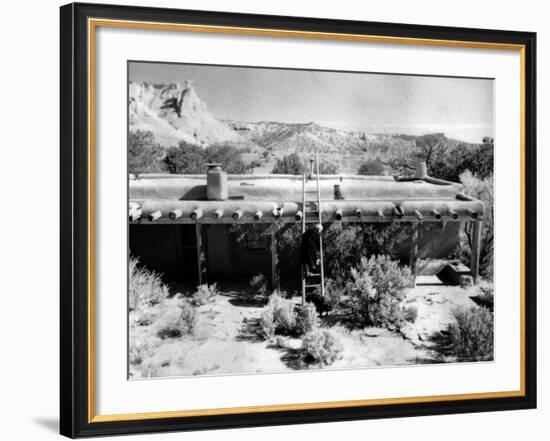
[462, 108]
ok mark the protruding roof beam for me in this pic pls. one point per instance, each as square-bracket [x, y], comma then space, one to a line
[175, 214]
[237, 214]
[398, 211]
[258, 215]
[155, 215]
[196, 214]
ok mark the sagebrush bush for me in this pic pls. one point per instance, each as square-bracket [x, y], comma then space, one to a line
[486, 296]
[306, 319]
[278, 317]
[257, 286]
[204, 294]
[322, 347]
[177, 322]
[471, 335]
[376, 291]
[333, 292]
[145, 287]
[267, 323]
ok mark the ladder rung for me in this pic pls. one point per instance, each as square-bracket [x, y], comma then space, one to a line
[313, 286]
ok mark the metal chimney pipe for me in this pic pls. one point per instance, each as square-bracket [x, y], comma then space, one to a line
[421, 170]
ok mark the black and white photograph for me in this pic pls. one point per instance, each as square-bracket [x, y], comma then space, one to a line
[287, 220]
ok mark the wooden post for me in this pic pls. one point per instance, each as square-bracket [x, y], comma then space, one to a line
[413, 257]
[476, 245]
[200, 254]
[275, 285]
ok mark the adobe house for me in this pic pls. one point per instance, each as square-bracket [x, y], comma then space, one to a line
[180, 225]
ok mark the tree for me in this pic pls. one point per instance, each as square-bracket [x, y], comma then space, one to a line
[185, 158]
[430, 148]
[372, 167]
[145, 155]
[229, 156]
[294, 165]
[289, 164]
[327, 168]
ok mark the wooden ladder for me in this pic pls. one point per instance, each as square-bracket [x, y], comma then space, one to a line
[320, 282]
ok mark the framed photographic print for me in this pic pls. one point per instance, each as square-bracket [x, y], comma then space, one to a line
[275, 220]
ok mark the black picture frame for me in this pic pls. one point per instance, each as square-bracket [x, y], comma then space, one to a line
[76, 417]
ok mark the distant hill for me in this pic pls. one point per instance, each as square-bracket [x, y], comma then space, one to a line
[174, 112]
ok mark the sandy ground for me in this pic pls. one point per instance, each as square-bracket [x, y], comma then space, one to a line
[227, 342]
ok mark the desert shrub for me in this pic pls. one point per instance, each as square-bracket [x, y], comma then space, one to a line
[185, 158]
[376, 291]
[486, 295]
[410, 314]
[471, 336]
[136, 352]
[334, 290]
[145, 287]
[345, 245]
[306, 319]
[284, 313]
[145, 155]
[229, 156]
[372, 167]
[204, 294]
[322, 347]
[177, 322]
[327, 168]
[480, 189]
[289, 164]
[188, 319]
[267, 323]
[278, 317]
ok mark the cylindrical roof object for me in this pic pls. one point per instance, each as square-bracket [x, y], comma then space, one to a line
[338, 214]
[358, 212]
[277, 212]
[237, 214]
[196, 214]
[217, 188]
[218, 213]
[258, 215]
[436, 214]
[472, 213]
[418, 215]
[175, 214]
[397, 211]
[155, 215]
[453, 213]
[298, 216]
[134, 214]
[421, 170]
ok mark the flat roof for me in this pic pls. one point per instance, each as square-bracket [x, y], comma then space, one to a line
[267, 198]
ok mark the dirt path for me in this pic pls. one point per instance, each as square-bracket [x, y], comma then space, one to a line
[227, 340]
